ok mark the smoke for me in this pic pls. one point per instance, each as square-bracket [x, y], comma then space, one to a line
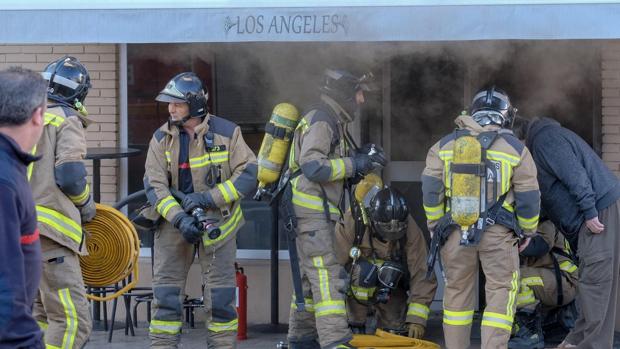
[430, 83]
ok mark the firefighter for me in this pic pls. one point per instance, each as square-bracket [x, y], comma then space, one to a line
[63, 203]
[392, 262]
[545, 260]
[508, 187]
[198, 168]
[320, 159]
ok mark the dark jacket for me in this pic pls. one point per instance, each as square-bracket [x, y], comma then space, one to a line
[20, 251]
[575, 185]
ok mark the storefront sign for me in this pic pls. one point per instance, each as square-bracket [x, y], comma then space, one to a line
[334, 23]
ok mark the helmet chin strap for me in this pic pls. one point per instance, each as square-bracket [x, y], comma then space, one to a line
[182, 122]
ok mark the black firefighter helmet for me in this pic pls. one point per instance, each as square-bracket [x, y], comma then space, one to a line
[491, 106]
[342, 86]
[389, 214]
[186, 88]
[68, 81]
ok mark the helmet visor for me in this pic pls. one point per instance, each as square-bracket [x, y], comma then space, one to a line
[166, 98]
[391, 230]
[489, 117]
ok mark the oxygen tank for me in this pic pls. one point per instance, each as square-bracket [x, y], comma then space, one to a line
[274, 149]
[465, 200]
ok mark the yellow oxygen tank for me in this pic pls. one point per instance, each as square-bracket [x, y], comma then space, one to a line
[465, 200]
[274, 149]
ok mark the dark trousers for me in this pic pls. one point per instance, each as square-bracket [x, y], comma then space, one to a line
[599, 270]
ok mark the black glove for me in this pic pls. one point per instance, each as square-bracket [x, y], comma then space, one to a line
[191, 232]
[376, 153]
[363, 164]
[193, 200]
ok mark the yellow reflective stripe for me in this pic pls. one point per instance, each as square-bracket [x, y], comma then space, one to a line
[166, 204]
[532, 281]
[167, 327]
[226, 228]
[458, 318]
[323, 278]
[80, 197]
[308, 304]
[417, 309]
[330, 308]
[168, 156]
[63, 224]
[362, 293]
[445, 154]
[42, 325]
[528, 223]
[508, 207]
[434, 212]
[228, 191]
[310, 201]
[526, 297]
[338, 169]
[53, 119]
[71, 318]
[209, 158]
[512, 295]
[49, 346]
[223, 326]
[501, 156]
[568, 266]
[303, 125]
[31, 165]
[491, 319]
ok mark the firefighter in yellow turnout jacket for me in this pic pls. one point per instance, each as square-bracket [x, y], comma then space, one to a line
[389, 275]
[545, 259]
[509, 177]
[319, 160]
[206, 159]
[63, 201]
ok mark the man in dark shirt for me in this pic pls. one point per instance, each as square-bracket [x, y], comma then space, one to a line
[580, 195]
[22, 106]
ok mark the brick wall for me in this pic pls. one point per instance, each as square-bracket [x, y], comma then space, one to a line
[611, 105]
[102, 101]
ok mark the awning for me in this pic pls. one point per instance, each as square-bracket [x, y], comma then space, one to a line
[141, 21]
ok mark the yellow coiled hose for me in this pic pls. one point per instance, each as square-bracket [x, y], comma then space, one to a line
[386, 340]
[113, 250]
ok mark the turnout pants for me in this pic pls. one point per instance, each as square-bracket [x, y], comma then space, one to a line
[390, 316]
[173, 258]
[599, 268]
[498, 255]
[539, 285]
[61, 308]
[323, 282]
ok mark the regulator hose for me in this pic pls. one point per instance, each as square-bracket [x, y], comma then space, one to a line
[113, 249]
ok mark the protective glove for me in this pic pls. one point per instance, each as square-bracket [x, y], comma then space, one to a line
[191, 232]
[88, 210]
[193, 200]
[363, 164]
[416, 331]
[376, 153]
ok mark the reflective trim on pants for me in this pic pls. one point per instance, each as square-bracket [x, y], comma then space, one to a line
[512, 295]
[458, 318]
[71, 317]
[491, 319]
[167, 327]
[223, 326]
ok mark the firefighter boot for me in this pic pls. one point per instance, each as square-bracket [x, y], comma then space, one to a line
[528, 331]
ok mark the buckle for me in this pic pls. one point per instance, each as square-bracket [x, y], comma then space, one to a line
[489, 221]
